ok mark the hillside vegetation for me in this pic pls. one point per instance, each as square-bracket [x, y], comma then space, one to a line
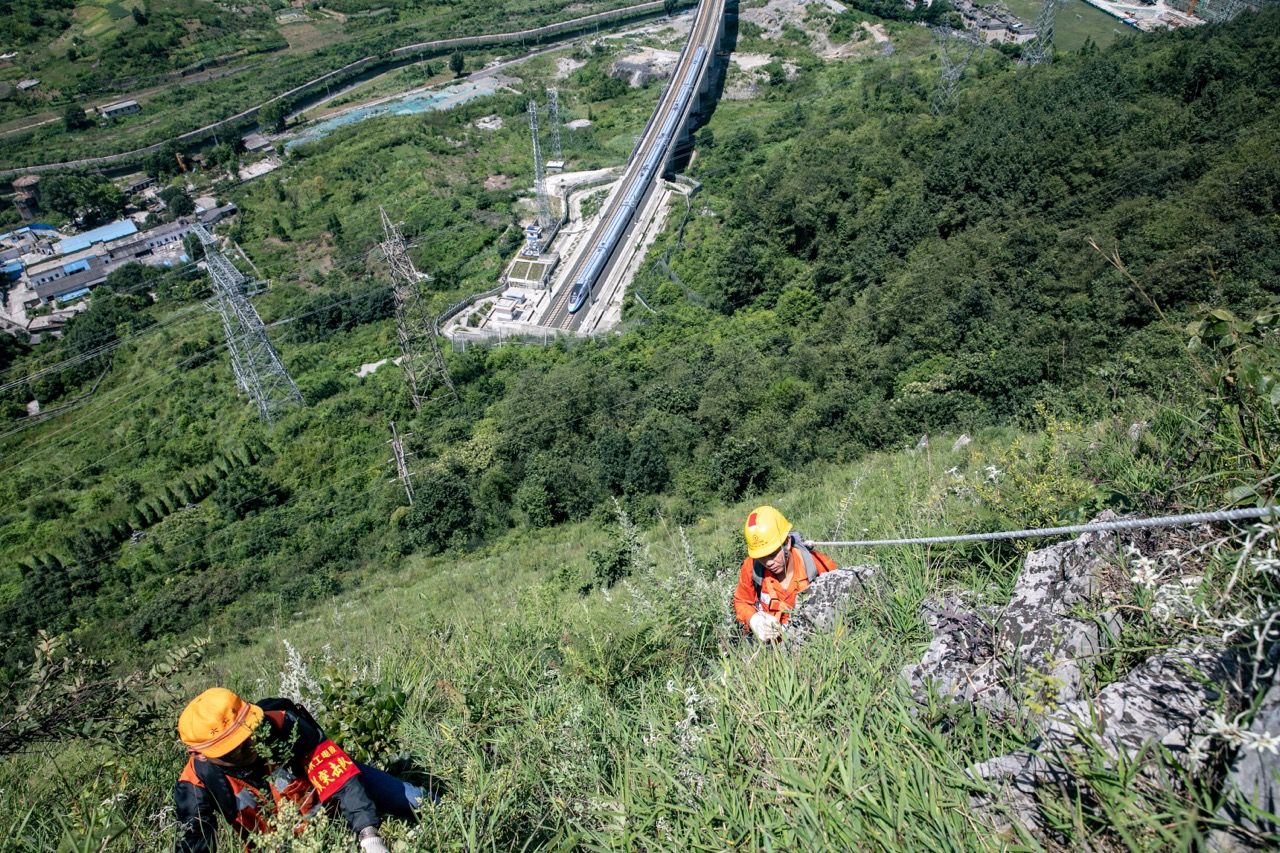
[854, 273]
[194, 62]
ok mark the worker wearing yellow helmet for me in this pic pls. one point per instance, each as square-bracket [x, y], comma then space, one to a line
[777, 568]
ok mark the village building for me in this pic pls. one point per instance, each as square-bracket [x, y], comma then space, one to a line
[120, 108]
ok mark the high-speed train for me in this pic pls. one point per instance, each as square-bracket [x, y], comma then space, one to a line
[623, 212]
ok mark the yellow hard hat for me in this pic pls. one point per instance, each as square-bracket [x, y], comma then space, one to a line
[766, 529]
[217, 721]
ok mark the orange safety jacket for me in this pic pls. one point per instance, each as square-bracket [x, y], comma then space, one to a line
[248, 816]
[776, 596]
[317, 772]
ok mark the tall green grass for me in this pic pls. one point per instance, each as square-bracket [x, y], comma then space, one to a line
[633, 717]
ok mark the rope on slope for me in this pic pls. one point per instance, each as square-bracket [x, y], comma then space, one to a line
[1272, 511]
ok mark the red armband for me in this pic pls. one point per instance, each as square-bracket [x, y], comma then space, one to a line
[330, 768]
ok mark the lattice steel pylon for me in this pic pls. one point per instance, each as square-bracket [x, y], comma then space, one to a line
[539, 171]
[1040, 48]
[553, 116]
[420, 356]
[400, 458]
[254, 361]
[955, 49]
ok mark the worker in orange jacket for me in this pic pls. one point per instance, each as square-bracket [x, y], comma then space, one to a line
[778, 567]
[246, 758]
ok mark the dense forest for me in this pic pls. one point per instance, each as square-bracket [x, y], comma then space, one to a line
[859, 273]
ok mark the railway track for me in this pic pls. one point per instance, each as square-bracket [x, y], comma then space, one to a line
[599, 250]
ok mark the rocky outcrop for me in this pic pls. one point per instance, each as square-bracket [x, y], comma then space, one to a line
[1033, 659]
[1251, 799]
[1036, 652]
[819, 606]
[1163, 702]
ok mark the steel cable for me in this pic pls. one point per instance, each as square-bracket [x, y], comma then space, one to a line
[1245, 514]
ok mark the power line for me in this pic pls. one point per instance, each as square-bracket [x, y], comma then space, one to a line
[144, 393]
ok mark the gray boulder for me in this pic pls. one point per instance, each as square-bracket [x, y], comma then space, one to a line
[819, 606]
[1165, 701]
[1034, 651]
[1252, 792]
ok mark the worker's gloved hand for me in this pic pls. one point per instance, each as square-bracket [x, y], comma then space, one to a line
[765, 626]
[370, 842]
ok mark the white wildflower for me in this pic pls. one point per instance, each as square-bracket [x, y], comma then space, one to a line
[1144, 573]
[296, 682]
[1131, 550]
[1228, 730]
[1173, 600]
[1268, 565]
[993, 474]
[1196, 752]
[1262, 742]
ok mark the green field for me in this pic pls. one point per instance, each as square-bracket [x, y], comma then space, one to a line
[1076, 21]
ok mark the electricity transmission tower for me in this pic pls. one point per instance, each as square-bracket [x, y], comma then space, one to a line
[255, 362]
[553, 116]
[421, 359]
[1040, 48]
[539, 172]
[401, 460]
[955, 49]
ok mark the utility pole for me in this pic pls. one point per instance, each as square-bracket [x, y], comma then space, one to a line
[257, 366]
[401, 460]
[553, 111]
[1040, 49]
[421, 359]
[955, 49]
[539, 171]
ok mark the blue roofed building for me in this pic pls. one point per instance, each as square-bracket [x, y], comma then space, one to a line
[103, 234]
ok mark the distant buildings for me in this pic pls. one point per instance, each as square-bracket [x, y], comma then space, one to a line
[994, 23]
[57, 269]
[27, 85]
[120, 108]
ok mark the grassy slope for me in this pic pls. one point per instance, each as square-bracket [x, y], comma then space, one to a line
[628, 718]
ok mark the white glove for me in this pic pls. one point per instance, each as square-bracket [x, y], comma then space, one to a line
[373, 844]
[765, 626]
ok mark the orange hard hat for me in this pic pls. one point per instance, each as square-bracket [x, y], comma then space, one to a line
[217, 721]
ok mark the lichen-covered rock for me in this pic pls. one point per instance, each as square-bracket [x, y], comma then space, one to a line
[960, 662]
[1163, 701]
[819, 606]
[1252, 791]
[1032, 650]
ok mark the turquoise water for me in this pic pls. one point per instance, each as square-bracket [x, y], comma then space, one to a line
[405, 105]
